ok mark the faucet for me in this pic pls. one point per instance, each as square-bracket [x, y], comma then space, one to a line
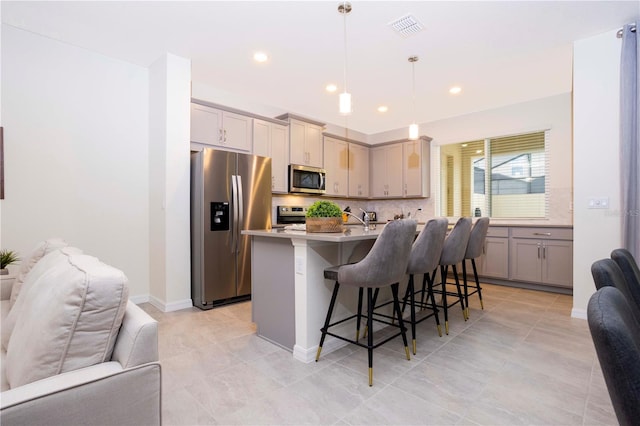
[414, 214]
[364, 222]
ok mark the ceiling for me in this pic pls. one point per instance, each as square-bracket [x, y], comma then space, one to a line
[499, 53]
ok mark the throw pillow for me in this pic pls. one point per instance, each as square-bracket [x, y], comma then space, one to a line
[72, 321]
[54, 257]
[42, 249]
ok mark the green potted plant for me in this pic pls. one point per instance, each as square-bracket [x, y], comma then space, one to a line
[324, 216]
[7, 257]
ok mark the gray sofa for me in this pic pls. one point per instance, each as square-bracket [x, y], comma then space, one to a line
[75, 350]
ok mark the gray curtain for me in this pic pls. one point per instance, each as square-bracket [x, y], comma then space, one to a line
[630, 141]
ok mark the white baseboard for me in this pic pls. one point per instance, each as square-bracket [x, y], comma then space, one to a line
[579, 313]
[304, 355]
[170, 307]
[309, 355]
[139, 299]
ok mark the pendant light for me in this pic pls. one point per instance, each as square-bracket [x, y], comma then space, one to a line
[414, 130]
[345, 97]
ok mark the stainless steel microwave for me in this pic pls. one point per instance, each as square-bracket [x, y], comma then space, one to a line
[305, 179]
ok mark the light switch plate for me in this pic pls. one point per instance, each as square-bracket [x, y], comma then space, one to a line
[299, 265]
[599, 203]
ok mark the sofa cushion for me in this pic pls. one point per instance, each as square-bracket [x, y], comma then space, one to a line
[75, 309]
[42, 249]
[48, 261]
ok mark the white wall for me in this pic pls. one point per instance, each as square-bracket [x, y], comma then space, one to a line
[76, 152]
[169, 186]
[596, 122]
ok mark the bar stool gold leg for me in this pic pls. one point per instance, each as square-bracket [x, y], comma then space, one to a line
[318, 353]
[414, 346]
[440, 330]
[446, 327]
[371, 376]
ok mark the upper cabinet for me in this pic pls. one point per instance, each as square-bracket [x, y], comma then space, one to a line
[272, 140]
[358, 170]
[386, 171]
[305, 141]
[219, 128]
[415, 166]
[336, 164]
[400, 170]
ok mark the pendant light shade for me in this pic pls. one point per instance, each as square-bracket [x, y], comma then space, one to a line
[345, 103]
[414, 130]
[345, 96]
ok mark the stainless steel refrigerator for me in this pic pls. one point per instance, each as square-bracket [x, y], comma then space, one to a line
[230, 192]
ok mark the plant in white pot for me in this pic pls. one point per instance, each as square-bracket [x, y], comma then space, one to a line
[324, 216]
[7, 257]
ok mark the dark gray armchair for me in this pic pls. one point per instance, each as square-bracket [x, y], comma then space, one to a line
[607, 273]
[616, 336]
[630, 270]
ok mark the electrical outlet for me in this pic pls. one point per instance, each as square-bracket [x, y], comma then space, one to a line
[299, 265]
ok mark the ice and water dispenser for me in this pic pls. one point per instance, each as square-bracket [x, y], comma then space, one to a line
[219, 216]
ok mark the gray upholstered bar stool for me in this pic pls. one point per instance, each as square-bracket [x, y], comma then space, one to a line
[475, 247]
[424, 259]
[455, 246]
[385, 265]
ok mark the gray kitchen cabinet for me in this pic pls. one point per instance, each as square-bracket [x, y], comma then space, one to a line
[336, 164]
[358, 171]
[219, 128]
[400, 170]
[272, 140]
[386, 171]
[542, 255]
[494, 262]
[305, 141]
[415, 168]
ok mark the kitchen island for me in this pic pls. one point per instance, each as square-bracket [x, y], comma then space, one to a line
[290, 296]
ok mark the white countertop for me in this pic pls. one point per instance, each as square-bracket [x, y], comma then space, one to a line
[350, 233]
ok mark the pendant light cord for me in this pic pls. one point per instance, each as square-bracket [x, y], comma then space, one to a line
[413, 69]
[345, 44]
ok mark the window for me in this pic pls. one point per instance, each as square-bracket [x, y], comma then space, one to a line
[501, 177]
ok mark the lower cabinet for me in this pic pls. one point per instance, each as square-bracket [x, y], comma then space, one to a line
[542, 255]
[538, 255]
[494, 261]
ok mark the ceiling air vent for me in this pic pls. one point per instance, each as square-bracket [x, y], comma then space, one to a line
[406, 26]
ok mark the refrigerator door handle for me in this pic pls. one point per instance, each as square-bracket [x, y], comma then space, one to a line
[234, 208]
[240, 205]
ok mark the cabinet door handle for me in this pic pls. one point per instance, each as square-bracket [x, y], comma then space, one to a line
[539, 247]
[225, 135]
[546, 234]
[219, 135]
[544, 252]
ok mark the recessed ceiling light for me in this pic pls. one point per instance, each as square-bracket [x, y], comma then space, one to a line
[331, 88]
[455, 90]
[383, 108]
[260, 57]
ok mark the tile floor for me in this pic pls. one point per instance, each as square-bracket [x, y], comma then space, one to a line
[522, 360]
